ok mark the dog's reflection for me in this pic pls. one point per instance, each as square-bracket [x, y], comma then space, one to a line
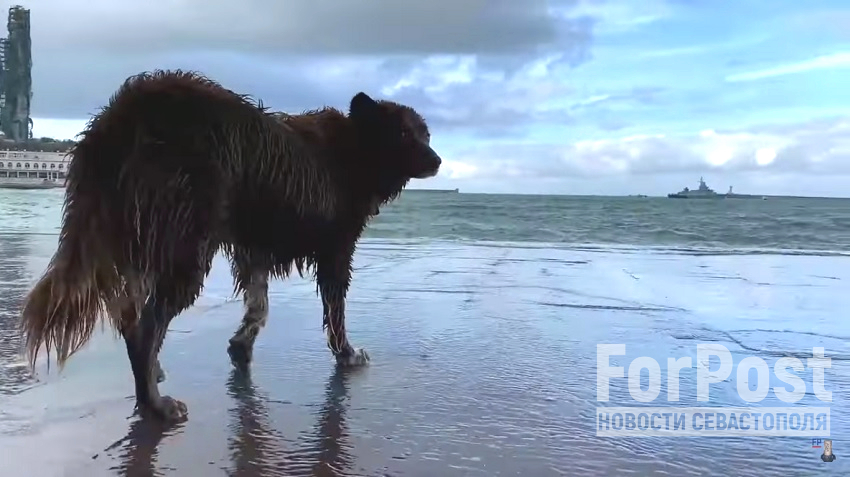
[256, 450]
[332, 440]
[139, 447]
[255, 447]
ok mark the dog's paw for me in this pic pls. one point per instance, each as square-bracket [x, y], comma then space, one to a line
[357, 357]
[166, 409]
[241, 354]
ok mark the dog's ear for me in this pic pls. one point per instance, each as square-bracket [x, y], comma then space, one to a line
[363, 107]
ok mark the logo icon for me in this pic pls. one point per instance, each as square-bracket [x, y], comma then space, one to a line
[817, 443]
[827, 455]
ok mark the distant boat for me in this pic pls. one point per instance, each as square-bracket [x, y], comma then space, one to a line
[703, 192]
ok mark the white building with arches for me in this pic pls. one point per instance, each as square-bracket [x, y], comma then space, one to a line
[32, 169]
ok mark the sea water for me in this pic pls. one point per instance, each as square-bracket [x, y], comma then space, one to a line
[482, 314]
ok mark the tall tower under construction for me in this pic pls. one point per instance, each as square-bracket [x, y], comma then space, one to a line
[16, 76]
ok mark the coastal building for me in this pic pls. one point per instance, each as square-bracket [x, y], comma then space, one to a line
[32, 169]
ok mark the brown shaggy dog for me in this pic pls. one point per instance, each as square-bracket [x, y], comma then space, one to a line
[175, 169]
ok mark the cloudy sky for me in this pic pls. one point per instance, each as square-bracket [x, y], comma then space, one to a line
[531, 96]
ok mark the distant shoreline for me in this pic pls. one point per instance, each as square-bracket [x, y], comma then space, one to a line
[634, 196]
[446, 191]
[750, 196]
[589, 196]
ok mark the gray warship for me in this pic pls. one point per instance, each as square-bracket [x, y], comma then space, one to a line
[705, 192]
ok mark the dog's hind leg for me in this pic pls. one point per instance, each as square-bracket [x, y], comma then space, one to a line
[333, 274]
[171, 295]
[144, 340]
[126, 309]
[254, 281]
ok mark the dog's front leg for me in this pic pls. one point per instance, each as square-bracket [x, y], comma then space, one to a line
[333, 276]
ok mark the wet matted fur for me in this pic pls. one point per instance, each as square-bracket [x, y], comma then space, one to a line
[176, 168]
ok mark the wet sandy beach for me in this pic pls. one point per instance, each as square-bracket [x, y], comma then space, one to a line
[484, 363]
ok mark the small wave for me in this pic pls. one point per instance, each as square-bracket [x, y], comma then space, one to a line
[18, 233]
[605, 307]
[605, 247]
[453, 242]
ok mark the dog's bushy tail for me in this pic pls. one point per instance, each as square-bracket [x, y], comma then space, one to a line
[64, 306]
[84, 276]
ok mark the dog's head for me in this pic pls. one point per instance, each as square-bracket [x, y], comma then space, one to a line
[395, 142]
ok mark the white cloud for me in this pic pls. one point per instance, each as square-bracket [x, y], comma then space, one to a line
[736, 44]
[834, 60]
[821, 147]
[458, 170]
[436, 74]
[620, 17]
[465, 93]
[765, 156]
